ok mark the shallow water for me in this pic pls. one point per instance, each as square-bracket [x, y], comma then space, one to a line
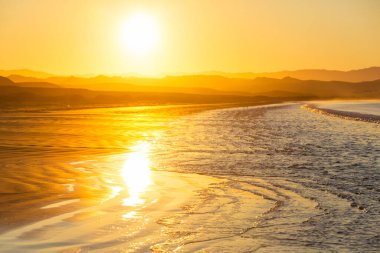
[287, 180]
[321, 174]
[367, 107]
[368, 111]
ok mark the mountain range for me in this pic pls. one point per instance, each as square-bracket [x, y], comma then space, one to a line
[16, 88]
[358, 75]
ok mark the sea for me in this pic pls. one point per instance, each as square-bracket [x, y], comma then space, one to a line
[290, 177]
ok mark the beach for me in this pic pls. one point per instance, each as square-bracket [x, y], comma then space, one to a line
[189, 126]
[118, 223]
[269, 178]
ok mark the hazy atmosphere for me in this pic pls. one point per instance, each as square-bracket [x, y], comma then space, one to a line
[86, 37]
[189, 126]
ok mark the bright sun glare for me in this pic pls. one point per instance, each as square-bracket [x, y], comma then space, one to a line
[139, 34]
[136, 173]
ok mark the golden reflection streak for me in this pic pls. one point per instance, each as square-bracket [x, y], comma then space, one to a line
[137, 174]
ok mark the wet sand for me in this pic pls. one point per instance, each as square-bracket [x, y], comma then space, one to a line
[83, 180]
[110, 225]
[268, 179]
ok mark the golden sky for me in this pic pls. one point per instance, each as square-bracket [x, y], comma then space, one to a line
[89, 36]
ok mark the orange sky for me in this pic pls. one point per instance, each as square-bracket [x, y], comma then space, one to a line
[83, 36]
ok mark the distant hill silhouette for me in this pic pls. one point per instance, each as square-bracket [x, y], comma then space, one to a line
[5, 81]
[37, 84]
[190, 85]
[25, 72]
[13, 97]
[321, 89]
[213, 85]
[359, 75]
[8, 82]
[222, 86]
[260, 85]
[286, 86]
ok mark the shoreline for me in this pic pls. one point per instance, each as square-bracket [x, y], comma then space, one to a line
[106, 208]
[356, 116]
[168, 194]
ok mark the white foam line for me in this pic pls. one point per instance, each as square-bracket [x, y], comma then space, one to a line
[62, 203]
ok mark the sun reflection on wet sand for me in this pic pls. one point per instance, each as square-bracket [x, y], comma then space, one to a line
[130, 215]
[137, 174]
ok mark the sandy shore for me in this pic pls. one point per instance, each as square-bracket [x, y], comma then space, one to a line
[81, 181]
[100, 181]
[121, 223]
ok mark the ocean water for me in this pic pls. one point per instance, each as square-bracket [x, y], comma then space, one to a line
[366, 108]
[287, 179]
[321, 173]
[361, 111]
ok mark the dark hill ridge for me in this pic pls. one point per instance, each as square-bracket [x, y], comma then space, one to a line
[322, 89]
[217, 85]
[25, 72]
[37, 84]
[5, 81]
[180, 90]
[12, 97]
[357, 75]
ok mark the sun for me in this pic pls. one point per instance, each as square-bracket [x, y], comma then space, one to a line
[140, 34]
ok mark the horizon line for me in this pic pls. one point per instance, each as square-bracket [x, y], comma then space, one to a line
[163, 75]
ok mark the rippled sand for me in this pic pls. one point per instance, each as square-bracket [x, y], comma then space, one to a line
[275, 178]
[63, 172]
[117, 223]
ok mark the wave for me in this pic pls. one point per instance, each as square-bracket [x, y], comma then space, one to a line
[344, 114]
